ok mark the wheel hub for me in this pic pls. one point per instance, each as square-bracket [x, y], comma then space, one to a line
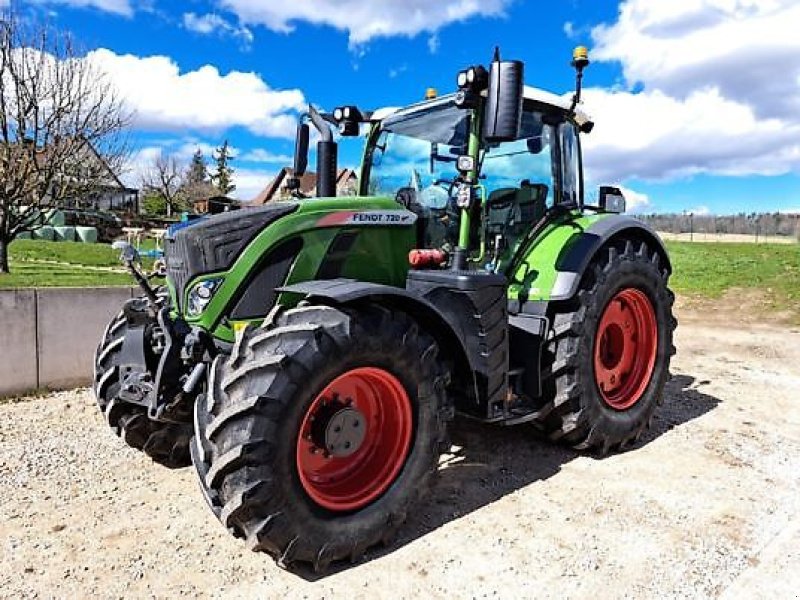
[354, 439]
[625, 348]
[342, 432]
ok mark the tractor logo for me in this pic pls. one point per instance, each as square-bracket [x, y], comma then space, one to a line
[382, 218]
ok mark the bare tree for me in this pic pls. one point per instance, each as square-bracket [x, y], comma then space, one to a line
[62, 126]
[164, 178]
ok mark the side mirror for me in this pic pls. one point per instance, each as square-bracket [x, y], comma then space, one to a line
[301, 150]
[129, 254]
[612, 199]
[503, 118]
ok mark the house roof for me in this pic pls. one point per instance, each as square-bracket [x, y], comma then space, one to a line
[308, 183]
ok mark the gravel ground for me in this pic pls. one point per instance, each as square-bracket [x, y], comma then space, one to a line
[707, 505]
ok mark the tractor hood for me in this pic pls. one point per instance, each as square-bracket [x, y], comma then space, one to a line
[213, 244]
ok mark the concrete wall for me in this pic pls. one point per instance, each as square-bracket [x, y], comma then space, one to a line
[48, 336]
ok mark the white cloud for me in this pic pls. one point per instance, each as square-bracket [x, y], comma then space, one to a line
[393, 73]
[635, 201]
[434, 43]
[214, 24]
[740, 47]
[657, 137]
[202, 100]
[719, 94]
[250, 182]
[699, 211]
[260, 155]
[118, 7]
[364, 21]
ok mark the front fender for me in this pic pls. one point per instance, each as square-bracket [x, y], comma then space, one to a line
[428, 315]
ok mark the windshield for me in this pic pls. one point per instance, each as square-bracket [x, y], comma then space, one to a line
[416, 153]
[415, 158]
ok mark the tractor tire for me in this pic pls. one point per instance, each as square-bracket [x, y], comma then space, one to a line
[607, 355]
[282, 452]
[166, 443]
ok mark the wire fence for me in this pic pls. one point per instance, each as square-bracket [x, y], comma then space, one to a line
[756, 228]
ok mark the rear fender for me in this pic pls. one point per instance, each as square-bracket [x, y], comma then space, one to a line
[551, 267]
[579, 255]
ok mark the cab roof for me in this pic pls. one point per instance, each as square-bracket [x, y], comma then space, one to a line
[538, 96]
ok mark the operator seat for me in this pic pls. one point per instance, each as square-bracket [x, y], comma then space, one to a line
[512, 211]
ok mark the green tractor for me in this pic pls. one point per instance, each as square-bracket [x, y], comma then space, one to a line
[307, 356]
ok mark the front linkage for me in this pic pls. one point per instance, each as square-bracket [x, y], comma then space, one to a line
[149, 370]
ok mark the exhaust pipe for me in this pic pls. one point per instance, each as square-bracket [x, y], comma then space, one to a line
[327, 156]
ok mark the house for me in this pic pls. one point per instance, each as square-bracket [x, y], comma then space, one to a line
[346, 185]
[84, 179]
[106, 192]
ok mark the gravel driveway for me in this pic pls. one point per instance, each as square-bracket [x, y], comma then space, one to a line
[707, 505]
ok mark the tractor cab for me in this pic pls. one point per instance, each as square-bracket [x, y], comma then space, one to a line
[424, 155]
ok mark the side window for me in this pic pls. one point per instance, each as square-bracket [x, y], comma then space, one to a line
[571, 192]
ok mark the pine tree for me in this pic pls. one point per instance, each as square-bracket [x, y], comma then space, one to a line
[197, 184]
[223, 177]
[197, 173]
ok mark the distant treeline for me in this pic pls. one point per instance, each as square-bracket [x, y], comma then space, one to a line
[766, 224]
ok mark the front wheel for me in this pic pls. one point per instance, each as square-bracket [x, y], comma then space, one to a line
[320, 431]
[608, 353]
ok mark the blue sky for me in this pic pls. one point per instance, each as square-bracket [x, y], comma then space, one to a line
[697, 102]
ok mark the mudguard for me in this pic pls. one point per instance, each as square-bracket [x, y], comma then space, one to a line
[550, 267]
[572, 263]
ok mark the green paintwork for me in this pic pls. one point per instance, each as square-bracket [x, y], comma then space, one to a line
[380, 255]
[533, 269]
[474, 148]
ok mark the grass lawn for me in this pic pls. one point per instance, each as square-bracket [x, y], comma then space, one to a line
[38, 263]
[710, 269]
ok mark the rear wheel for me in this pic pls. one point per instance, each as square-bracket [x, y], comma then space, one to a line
[321, 430]
[166, 443]
[608, 352]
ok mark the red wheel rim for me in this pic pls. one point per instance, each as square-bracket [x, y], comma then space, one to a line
[366, 397]
[625, 348]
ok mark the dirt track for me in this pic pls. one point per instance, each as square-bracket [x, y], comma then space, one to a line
[707, 505]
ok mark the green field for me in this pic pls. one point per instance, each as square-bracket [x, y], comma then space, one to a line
[710, 269]
[705, 270]
[39, 263]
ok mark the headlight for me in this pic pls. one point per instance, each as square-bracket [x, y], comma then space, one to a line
[200, 296]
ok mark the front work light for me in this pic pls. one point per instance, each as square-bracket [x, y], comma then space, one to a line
[474, 79]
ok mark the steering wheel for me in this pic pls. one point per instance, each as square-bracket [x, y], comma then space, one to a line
[447, 184]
